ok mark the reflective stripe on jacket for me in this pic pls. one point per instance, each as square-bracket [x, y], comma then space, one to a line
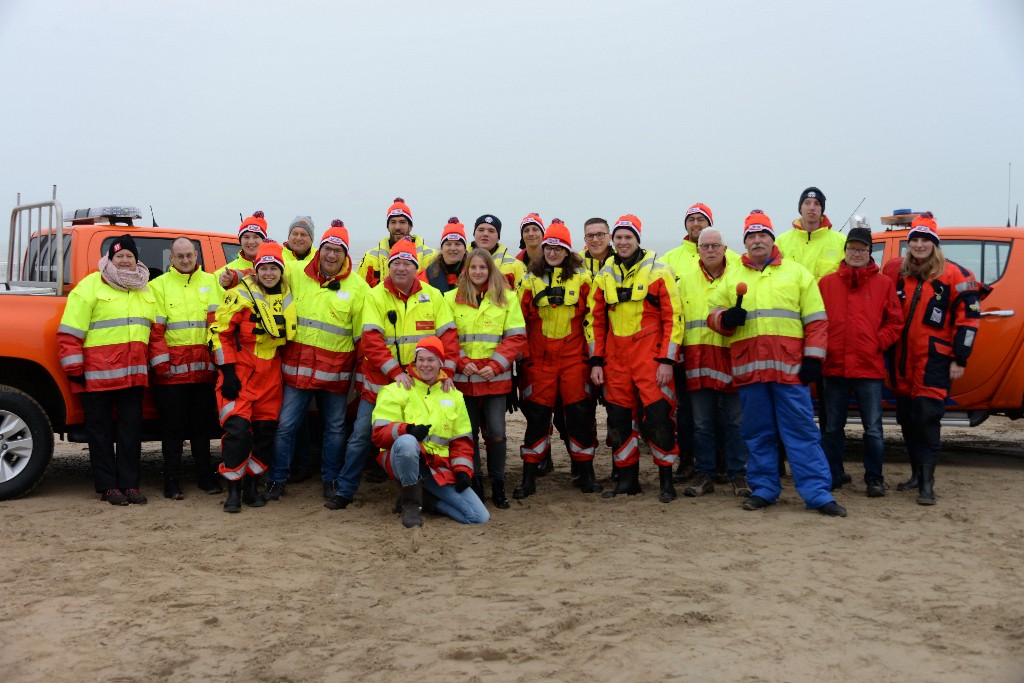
[786, 320]
[104, 333]
[242, 322]
[489, 335]
[178, 349]
[819, 252]
[374, 266]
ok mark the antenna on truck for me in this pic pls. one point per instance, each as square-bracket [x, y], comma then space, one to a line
[153, 215]
[843, 226]
[1009, 190]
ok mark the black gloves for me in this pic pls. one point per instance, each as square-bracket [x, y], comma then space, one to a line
[230, 387]
[461, 481]
[418, 431]
[77, 379]
[512, 400]
[810, 370]
[734, 317]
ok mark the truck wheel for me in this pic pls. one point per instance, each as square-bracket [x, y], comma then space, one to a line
[26, 442]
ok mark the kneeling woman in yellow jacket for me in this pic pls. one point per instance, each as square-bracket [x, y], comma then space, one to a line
[492, 334]
[425, 434]
[252, 324]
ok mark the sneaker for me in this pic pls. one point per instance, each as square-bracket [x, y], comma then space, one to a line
[275, 490]
[875, 489]
[832, 509]
[700, 485]
[755, 503]
[328, 490]
[740, 487]
[135, 496]
[114, 497]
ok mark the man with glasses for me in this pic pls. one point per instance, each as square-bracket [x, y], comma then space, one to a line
[183, 370]
[865, 319]
[598, 244]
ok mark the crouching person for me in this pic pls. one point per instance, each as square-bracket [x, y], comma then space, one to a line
[426, 442]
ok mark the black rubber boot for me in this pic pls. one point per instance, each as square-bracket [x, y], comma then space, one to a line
[498, 496]
[172, 489]
[628, 483]
[529, 485]
[668, 491]
[251, 494]
[172, 472]
[684, 470]
[412, 505]
[587, 482]
[574, 470]
[926, 487]
[234, 501]
[546, 465]
[915, 478]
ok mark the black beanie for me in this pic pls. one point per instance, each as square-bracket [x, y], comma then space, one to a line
[123, 242]
[489, 219]
[811, 193]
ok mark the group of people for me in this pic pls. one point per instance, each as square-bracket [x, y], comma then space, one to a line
[415, 356]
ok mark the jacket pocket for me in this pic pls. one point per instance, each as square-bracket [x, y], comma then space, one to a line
[936, 368]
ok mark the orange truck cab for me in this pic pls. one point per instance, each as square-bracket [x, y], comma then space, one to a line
[993, 383]
[48, 254]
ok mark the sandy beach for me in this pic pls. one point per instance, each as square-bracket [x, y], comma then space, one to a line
[562, 587]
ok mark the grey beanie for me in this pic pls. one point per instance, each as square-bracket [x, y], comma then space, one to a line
[304, 222]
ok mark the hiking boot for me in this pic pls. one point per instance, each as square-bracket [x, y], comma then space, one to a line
[875, 489]
[832, 509]
[700, 485]
[684, 471]
[740, 487]
[275, 490]
[135, 497]
[338, 502]
[114, 497]
[172, 490]
[755, 503]
[328, 490]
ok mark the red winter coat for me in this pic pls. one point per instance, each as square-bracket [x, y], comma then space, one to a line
[864, 319]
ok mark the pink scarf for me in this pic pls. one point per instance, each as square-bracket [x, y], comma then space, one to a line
[124, 279]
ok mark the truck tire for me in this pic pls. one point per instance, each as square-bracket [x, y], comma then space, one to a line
[26, 442]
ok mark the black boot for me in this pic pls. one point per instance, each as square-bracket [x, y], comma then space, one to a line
[529, 485]
[587, 482]
[234, 501]
[172, 470]
[478, 486]
[915, 478]
[172, 489]
[546, 465]
[574, 470]
[251, 494]
[412, 504]
[628, 483]
[668, 491]
[926, 489]
[498, 496]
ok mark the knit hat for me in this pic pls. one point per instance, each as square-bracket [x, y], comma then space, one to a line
[924, 226]
[862, 235]
[758, 221]
[558, 235]
[811, 193]
[404, 249]
[454, 230]
[125, 241]
[489, 219]
[703, 210]
[304, 222]
[432, 345]
[269, 252]
[337, 235]
[531, 219]
[628, 221]
[254, 223]
[400, 208]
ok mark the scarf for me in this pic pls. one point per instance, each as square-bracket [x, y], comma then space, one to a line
[124, 280]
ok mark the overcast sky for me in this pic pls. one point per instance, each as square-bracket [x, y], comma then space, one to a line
[572, 109]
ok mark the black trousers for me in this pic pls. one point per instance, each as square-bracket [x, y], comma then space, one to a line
[187, 411]
[920, 419]
[113, 422]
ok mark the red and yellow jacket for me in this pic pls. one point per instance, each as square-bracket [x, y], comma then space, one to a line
[393, 323]
[786, 320]
[251, 326]
[512, 268]
[941, 319]
[185, 303]
[557, 331]
[489, 335]
[865, 318]
[329, 322]
[104, 334]
[705, 352]
[449, 446]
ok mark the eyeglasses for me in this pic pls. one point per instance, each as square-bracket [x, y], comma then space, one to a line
[710, 247]
[858, 251]
[184, 257]
[595, 235]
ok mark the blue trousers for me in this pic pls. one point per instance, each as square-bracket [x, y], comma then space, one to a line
[294, 405]
[773, 411]
[869, 402]
[407, 463]
[717, 418]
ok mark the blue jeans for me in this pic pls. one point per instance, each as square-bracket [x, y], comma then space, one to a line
[293, 417]
[407, 464]
[773, 411]
[360, 447]
[869, 401]
[711, 410]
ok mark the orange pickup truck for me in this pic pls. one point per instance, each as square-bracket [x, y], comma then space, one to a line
[993, 383]
[48, 254]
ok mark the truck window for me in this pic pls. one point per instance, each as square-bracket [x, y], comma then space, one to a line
[231, 251]
[877, 252]
[155, 252]
[987, 259]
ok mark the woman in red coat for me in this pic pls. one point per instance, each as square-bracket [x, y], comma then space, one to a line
[941, 307]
